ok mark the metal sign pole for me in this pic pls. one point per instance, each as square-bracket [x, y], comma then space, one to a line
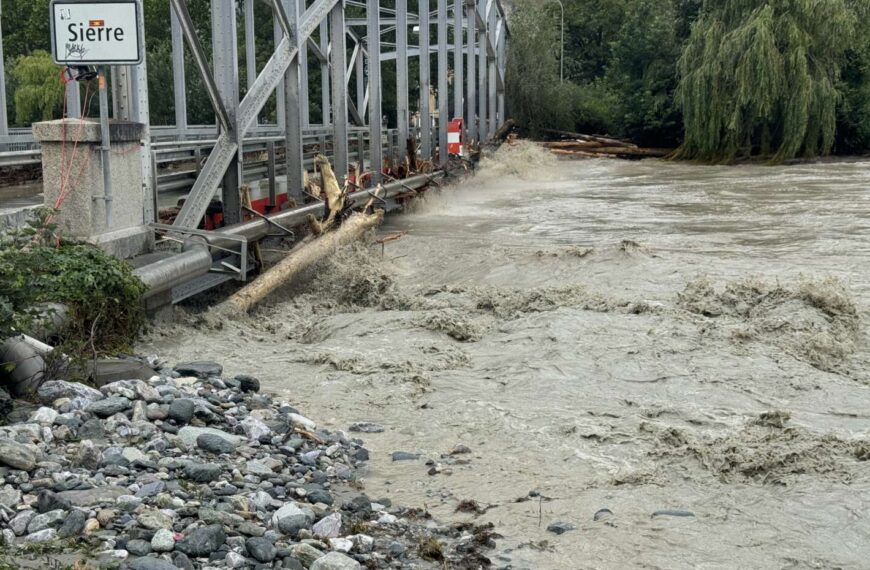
[105, 146]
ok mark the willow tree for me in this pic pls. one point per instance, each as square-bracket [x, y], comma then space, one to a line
[760, 77]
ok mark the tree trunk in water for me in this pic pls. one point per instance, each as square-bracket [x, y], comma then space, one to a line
[300, 259]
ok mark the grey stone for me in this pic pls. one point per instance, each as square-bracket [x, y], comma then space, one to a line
[109, 406]
[254, 428]
[182, 561]
[335, 561]
[132, 390]
[74, 524]
[154, 519]
[214, 444]
[10, 496]
[91, 497]
[149, 563]
[19, 523]
[88, 456]
[248, 383]
[91, 429]
[163, 540]
[366, 427]
[200, 369]
[181, 410]
[17, 455]
[289, 519]
[44, 535]
[202, 472]
[56, 389]
[151, 489]
[560, 527]
[51, 519]
[189, 435]
[202, 541]
[306, 554]
[251, 529]
[261, 549]
[138, 547]
[50, 501]
[404, 456]
[317, 495]
[328, 527]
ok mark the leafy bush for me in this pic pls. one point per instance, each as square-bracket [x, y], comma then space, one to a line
[101, 292]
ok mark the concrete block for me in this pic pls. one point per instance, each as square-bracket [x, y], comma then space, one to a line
[72, 164]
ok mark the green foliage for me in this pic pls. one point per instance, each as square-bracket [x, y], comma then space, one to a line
[38, 89]
[537, 98]
[642, 76]
[101, 292]
[761, 78]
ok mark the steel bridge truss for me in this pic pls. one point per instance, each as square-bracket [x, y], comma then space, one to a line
[346, 48]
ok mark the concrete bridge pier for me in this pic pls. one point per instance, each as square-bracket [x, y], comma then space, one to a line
[72, 177]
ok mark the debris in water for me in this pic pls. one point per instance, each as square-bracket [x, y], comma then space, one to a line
[774, 418]
[561, 527]
[668, 513]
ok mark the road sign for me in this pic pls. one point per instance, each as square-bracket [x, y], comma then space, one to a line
[99, 32]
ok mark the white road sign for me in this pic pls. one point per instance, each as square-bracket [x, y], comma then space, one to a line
[96, 33]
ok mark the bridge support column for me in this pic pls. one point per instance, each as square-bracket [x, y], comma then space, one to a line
[338, 69]
[226, 76]
[83, 209]
[458, 77]
[471, 95]
[481, 72]
[443, 95]
[293, 114]
[373, 46]
[425, 87]
[402, 119]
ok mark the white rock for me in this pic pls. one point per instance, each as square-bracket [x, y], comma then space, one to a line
[41, 536]
[387, 518]
[340, 544]
[302, 421]
[328, 527]
[235, 560]
[163, 541]
[335, 561]
[44, 416]
[362, 542]
[254, 428]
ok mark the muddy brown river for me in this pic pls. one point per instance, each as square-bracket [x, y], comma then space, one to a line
[682, 345]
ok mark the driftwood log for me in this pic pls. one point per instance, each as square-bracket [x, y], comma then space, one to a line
[300, 259]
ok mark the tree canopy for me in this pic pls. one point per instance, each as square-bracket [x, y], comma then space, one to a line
[720, 79]
[761, 77]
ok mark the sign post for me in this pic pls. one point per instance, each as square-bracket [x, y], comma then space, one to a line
[98, 33]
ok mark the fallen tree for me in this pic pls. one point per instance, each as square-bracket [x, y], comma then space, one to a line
[301, 258]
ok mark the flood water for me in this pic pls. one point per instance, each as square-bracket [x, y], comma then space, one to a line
[632, 336]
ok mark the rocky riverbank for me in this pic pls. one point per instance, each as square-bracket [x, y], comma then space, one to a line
[191, 469]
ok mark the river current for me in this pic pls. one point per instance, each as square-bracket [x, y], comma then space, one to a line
[682, 345]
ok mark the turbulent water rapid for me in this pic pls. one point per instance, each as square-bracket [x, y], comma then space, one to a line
[682, 345]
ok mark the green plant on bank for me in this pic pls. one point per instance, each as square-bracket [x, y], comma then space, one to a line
[100, 291]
